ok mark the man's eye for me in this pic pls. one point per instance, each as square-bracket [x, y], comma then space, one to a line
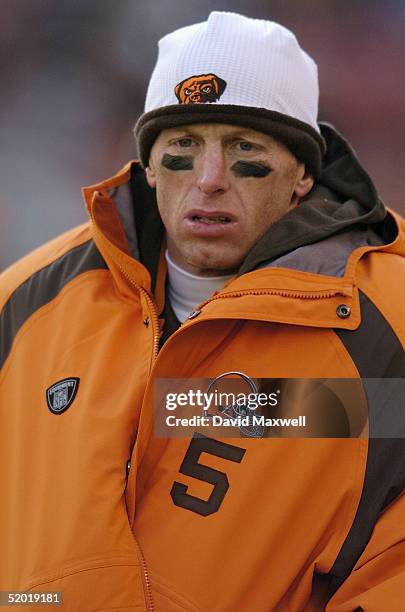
[185, 142]
[245, 146]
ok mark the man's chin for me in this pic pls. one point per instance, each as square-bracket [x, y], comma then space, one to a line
[212, 266]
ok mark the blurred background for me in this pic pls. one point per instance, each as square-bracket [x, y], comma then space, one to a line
[74, 79]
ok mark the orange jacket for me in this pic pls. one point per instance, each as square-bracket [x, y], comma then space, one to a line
[302, 521]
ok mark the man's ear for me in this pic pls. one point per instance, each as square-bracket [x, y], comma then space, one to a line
[150, 175]
[303, 185]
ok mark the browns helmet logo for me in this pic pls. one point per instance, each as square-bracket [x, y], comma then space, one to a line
[200, 89]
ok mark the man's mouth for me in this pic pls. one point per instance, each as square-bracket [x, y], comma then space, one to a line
[211, 223]
[210, 220]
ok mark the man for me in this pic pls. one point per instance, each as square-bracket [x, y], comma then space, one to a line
[253, 243]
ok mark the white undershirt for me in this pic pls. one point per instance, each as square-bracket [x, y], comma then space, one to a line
[187, 290]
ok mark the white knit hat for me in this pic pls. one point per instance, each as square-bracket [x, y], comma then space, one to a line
[233, 69]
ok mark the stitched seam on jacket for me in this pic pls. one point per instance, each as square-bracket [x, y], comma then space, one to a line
[41, 580]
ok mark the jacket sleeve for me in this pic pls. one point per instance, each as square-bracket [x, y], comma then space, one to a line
[377, 582]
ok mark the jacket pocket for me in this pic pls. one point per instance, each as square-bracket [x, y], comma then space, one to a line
[111, 585]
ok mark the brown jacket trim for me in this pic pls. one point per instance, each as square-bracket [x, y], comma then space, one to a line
[377, 353]
[41, 288]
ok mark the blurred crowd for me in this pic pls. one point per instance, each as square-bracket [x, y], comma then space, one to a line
[75, 75]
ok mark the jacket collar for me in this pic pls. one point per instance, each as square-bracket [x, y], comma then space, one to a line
[271, 293]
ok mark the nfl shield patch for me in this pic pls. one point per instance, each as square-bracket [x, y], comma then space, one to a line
[61, 395]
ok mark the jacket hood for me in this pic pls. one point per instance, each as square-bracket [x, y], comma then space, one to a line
[343, 198]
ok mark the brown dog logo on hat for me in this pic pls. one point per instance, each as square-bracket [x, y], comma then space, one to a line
[200, 89]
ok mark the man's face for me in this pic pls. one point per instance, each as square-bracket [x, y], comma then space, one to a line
[219, 188]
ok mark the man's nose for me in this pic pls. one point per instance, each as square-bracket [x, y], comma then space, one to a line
[212, 174]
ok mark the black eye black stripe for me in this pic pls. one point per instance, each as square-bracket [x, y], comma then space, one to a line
[240, 168]
[177, 162]
[254, 169]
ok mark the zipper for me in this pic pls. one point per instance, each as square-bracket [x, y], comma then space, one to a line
[155, 326]
[282, 292]
[155, 320]
[150, 607]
